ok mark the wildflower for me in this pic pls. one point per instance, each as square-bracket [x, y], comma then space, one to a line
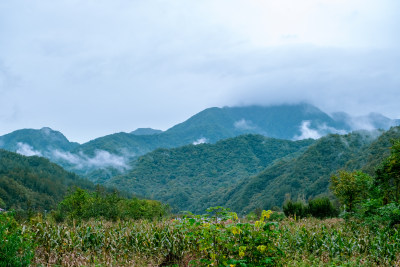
[265, 215]
[261, 248]
[206, 225]
[235, 230]
[242, 249]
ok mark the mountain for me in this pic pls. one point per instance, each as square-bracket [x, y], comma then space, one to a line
[291, 122]
[31, 142]
[114, 154]
[146, 131]
[34, 182]
[281, 121]
[181, 176]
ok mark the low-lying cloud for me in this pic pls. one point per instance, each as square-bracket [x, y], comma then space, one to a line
[102, 159]
[27, 150]
[244, 125]
[200, 141]
[322, 130]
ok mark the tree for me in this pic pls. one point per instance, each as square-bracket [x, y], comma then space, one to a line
[2, 204]
[388, 175]
[351, 188]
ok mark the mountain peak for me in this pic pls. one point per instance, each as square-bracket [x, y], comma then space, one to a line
[146, 131]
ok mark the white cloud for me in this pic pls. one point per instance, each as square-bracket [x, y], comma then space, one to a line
[27, 150]
[191, 55]
[101, 159]
[321, 130]
[307, 132]
[244, 124]
[200, 141]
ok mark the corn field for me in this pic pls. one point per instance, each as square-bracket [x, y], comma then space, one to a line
[209, 241]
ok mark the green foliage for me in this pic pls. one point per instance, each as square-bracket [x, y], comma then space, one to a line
[16, 246]
[2, 204]
[321, 207]
[84, 205]
[388, 175]
[223, 241]
[296, 209]
[351, 188]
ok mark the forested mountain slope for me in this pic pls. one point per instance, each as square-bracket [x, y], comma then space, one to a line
[182, 176]
[34, 182]
[309, 174]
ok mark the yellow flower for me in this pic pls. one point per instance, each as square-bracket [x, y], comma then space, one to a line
[259, 224]
[265, 215]
[235, 230]
[242, 249]
[261, 248]
[206, 225]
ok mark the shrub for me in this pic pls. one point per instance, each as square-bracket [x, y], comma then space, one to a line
[321, 208]
[295, 209]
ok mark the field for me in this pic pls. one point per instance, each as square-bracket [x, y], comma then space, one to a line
[219, 240]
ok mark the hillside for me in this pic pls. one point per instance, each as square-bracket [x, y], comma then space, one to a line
[34, 182]
[309, 174]
[181, 176]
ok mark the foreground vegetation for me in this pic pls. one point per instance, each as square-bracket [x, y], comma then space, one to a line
[220, 240]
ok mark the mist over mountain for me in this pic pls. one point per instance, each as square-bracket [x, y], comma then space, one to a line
[107, 156]
[34, 182]
[31, 142]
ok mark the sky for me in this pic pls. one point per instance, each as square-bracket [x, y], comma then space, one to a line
[89, 68]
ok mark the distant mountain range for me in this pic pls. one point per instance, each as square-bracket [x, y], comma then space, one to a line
[105, 157]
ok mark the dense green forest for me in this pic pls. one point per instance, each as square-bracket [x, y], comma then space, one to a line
[306, 175]
[252, 172]
[184, 177]
[34, 182]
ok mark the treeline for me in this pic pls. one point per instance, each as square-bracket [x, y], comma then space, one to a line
[82, 204]
[372, 198]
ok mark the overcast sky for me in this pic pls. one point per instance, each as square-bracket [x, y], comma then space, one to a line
[94, 67]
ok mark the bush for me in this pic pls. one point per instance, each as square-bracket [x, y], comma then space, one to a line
[16, 246]
[321, 208]
[83, 205]
[295, 209]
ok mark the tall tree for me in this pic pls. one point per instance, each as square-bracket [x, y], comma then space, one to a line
[388, 175]
[350, 187]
